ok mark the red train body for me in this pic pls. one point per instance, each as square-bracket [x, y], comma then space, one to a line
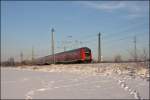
[80, 55]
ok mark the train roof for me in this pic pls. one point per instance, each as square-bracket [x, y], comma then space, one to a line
[67, 51]
[73, 50]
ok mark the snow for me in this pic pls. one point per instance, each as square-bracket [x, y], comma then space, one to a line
[75, 81]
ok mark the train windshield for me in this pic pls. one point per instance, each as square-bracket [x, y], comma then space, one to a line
[87, 52]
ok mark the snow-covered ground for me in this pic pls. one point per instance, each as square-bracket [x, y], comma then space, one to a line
[76, 81]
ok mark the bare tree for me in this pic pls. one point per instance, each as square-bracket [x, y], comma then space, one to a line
[134, 56]
[117, 58]
[144, 55]
[11, 62]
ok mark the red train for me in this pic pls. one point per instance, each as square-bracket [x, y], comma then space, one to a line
[80, 55]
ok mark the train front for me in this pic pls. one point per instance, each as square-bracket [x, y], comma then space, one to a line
[86, 55]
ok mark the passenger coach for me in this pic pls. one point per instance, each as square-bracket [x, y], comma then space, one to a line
[80, 55]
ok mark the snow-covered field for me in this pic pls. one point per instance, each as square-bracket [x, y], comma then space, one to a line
[76, 81]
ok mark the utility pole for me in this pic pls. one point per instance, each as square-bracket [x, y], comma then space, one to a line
[64, 45]
[64, 48]
[32, 54]
[52, 40]
[21, 57]
[135, 51]
[99, 47]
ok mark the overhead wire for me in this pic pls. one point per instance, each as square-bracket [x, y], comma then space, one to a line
[118, 41]
[126, 30]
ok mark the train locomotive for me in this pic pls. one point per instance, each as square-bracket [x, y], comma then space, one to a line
[80, 55]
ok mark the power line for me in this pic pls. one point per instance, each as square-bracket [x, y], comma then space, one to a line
[87, 36]
[116, 40]
[130, 28]
[124, 38]
[110, 45]
[89, 40]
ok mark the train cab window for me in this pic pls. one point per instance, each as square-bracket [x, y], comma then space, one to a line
[87, 52]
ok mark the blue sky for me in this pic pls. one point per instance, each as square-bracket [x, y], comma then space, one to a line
[28, 23]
